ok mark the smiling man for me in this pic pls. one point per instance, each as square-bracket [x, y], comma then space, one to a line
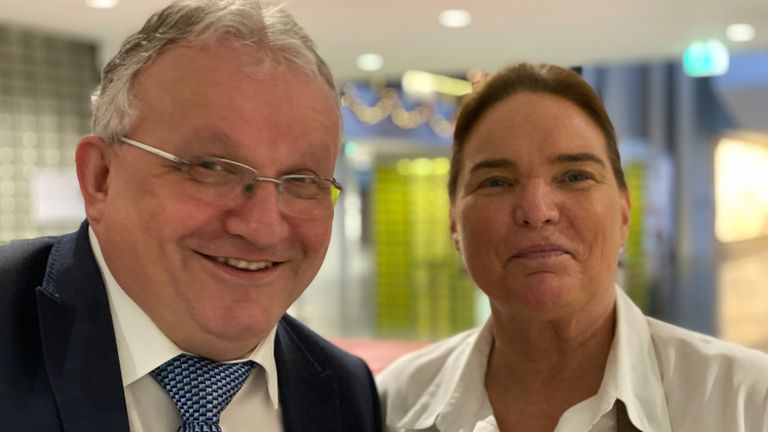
[209, 197]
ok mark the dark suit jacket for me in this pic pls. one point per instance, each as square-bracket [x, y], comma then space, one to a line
[59, 368]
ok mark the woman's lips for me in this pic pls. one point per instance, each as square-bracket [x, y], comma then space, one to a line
[541, 251]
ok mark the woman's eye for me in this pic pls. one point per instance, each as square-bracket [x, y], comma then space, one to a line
[495, 182]
[575, 177]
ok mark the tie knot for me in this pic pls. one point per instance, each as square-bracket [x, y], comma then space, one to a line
[201, 388]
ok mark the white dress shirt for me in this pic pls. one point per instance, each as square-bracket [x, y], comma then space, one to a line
[669, 378]
[142, 347]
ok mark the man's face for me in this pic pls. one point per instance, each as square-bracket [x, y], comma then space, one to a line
[215, 276]
[538, 216]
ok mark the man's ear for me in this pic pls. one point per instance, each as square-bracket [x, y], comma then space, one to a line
[454, 232]
[93, 158]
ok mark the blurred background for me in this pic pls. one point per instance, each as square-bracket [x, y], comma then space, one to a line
[685, 82]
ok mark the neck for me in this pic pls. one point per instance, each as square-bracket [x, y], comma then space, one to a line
[217, 349]
[553, 343]
[539, 369]
[547, 349]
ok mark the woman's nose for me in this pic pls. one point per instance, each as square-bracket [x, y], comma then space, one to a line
[535, 205]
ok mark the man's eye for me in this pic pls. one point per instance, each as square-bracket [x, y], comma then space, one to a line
[212, 171]
[210, 165]
[300, 180]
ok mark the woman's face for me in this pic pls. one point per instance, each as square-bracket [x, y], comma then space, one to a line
[538, 216]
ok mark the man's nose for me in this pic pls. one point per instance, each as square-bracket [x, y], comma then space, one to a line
[258, 216]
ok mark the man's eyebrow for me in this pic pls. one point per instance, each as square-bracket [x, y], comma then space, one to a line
[566, 158]
[217, 139]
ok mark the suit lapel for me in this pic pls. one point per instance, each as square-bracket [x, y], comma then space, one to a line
[308, 393]
[78, 339]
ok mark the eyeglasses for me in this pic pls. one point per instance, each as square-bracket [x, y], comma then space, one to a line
[227, 181]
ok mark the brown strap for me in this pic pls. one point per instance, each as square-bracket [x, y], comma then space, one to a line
[623, 424]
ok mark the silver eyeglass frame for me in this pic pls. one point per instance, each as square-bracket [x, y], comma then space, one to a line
[256, 178]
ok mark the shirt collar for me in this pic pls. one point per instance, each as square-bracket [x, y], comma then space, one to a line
[631, 375]
[457, 394]
[142, 347]
[633, 370]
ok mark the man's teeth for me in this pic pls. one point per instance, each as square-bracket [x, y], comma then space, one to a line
[243, 264]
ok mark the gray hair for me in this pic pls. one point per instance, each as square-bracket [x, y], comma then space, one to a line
[198, 21]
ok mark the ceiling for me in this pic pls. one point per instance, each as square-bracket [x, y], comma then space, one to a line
[408, 36]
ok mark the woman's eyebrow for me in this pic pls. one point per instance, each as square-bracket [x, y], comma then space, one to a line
[561, 159]
[491, 164]
[566, 158]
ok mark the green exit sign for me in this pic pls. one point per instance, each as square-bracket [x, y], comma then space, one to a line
[706, 58]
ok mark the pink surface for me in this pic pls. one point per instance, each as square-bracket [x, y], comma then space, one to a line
[376, 352]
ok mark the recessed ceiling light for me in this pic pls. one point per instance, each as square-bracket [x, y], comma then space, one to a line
[740, 32]
[101, 4]
[370, 62]
[455, 18]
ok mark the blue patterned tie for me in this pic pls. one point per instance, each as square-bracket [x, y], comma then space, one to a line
[201, 389]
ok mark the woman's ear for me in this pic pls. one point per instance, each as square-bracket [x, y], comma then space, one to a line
[93, 159]
[454, 233]
[626, 207]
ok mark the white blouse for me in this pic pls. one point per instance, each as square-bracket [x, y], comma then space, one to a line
[669, 378]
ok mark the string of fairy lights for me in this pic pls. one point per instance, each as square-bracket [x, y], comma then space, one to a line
[389, 105]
